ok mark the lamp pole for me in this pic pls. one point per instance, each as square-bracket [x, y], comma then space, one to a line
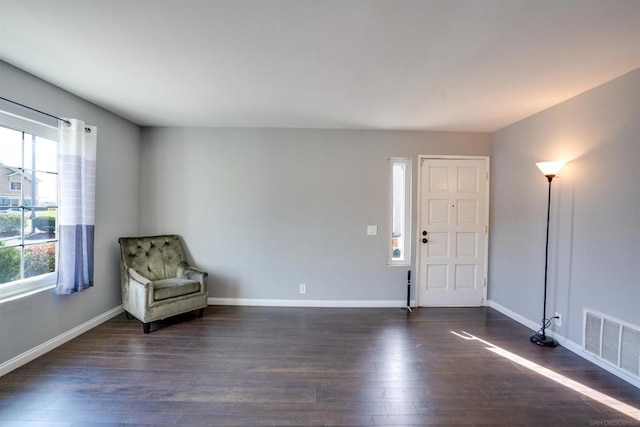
[550, 171]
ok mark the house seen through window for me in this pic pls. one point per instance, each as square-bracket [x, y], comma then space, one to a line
[28, 200]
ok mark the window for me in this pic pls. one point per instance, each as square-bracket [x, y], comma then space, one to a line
[399, 246]
[28, 229]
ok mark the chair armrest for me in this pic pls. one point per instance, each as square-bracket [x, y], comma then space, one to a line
[139, 278]
[192, 273]
[185, 271]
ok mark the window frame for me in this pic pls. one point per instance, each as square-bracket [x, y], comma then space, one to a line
[19, 288]
[406, 205]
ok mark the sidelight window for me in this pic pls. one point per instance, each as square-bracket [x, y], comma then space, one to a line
[399, 245]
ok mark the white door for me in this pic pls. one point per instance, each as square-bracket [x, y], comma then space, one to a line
[453, 227]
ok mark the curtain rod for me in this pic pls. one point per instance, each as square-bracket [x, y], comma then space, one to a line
[37, 111]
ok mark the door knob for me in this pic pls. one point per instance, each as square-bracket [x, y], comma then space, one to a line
[424, 233]
[424, 240]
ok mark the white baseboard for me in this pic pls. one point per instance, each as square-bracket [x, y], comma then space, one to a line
[43, 348]
[570, 345]
[310, 303]
[515, 316]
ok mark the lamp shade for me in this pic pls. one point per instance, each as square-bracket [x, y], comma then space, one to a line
[550, 168]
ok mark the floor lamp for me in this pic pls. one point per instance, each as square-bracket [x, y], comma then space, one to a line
[550, 170]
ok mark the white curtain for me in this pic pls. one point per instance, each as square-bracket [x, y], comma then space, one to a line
[76, 211]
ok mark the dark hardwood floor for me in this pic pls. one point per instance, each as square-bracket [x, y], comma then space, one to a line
[252, 366]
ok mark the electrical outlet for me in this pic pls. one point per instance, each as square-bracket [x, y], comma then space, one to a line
[303, 288]
[558, 319]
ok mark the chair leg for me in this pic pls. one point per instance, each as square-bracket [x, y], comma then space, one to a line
[201, 312]
[128, 315]
[146, 328]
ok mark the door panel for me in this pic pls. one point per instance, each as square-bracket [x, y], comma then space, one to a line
[438, 211]
[466, 244]
[468, 213]
[438, 245]
[453, 206]
[438, 276]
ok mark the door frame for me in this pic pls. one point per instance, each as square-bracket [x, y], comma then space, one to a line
[418, 246]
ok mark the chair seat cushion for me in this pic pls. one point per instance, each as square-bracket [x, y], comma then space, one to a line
[174, 287]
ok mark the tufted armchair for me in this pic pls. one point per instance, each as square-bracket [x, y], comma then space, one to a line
[156, 280]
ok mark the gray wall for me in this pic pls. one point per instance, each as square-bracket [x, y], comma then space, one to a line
[30, 321]
[595, 235]
[264, 210]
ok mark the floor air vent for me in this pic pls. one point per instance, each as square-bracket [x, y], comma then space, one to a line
[612, 340]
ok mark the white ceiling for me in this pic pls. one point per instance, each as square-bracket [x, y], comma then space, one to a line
[473, 65]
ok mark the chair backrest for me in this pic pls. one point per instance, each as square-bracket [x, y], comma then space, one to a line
[154, 257]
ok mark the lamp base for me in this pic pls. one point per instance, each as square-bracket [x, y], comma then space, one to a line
[543, 340]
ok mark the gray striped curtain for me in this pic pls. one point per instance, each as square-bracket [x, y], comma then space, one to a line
[76, 212]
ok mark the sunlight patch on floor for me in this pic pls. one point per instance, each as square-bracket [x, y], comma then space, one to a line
[559, 378]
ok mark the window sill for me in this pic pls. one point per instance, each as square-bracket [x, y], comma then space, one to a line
[23, 288]
[398, 263]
